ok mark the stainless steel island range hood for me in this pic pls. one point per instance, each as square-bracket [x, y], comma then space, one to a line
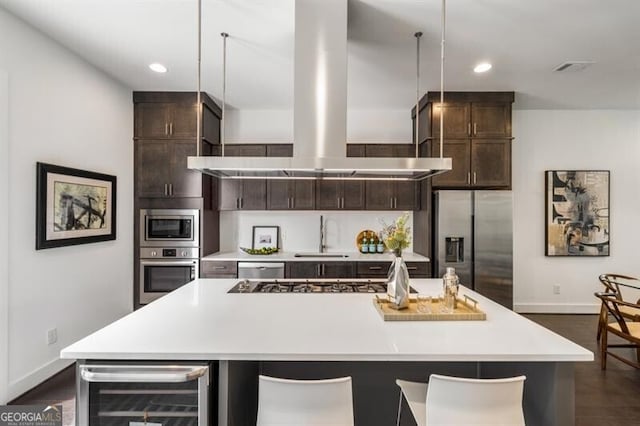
[320, 114]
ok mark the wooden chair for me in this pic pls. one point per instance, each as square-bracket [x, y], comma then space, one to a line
[612, 283]
[621, 327]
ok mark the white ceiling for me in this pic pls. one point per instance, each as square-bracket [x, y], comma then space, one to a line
[524, 39]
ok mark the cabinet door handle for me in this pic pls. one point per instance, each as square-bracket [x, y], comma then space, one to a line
[412, 268]
[293, 202]
[166, 129]
[375, 268]
[241, 202]
[474, 178]
[166, 189]
[322, 266]
[318, 269]
[237, 203]
[391, 202]
[171, 128]
[469, 128]
[171, 189]
[468, 178]
[219, 268]
[475, 129]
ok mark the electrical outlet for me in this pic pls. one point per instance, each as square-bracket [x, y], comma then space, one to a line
[52, 336]
[556, 289]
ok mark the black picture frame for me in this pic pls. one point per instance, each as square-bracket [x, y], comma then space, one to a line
[272, 231]
[577, 213]
[78, 221]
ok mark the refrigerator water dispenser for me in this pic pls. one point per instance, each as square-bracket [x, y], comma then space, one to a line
[454, 249]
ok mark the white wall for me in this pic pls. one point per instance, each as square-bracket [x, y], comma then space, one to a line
[548, 140]
[4, 237]
[66, 112]
[300, 230]
[276, 126]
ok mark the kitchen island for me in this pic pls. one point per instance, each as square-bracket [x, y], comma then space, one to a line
[324, 335]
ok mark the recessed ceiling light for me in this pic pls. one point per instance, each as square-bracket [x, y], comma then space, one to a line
[158, 68]
[483, 67]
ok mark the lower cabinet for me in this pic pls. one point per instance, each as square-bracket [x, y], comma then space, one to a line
[321, 270]
[380, 269]
[218, 269]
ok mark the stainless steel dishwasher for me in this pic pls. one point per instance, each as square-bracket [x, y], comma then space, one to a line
[260, 270]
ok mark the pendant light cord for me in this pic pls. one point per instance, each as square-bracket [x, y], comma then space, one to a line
[417, 141]
[444, 13]
[224, 90]
[199, 98]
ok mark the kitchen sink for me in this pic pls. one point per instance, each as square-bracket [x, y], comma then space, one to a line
[329, 255]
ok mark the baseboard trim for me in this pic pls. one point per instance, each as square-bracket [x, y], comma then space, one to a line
[556, 308]
[37, 376]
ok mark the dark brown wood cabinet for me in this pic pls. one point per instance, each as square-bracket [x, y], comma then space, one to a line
[340, 195]
[241, 194]
[218, 269]
[477, 136]
[380, 269]
[291, 194]
[164, 136]
[173, 115]
[391, 195]
[161, 169]
[321, 270]
[477, 163]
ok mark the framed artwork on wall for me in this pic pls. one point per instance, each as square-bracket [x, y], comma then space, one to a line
[73, 206]
[577, 213]
[266, 237]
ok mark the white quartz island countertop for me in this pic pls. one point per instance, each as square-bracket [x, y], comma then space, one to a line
[201, 321]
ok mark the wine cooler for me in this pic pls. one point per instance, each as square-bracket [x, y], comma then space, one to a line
[111, 394]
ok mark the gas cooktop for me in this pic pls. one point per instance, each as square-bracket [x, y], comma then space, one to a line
[311, 286]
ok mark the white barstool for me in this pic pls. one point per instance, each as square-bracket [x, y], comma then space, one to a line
[305, 402]
[455, 401]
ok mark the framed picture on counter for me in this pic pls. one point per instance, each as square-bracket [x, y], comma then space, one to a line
[577, 213]
[266, 237]
[73, 206]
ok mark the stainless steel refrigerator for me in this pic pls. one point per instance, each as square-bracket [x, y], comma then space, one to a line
[473, 233]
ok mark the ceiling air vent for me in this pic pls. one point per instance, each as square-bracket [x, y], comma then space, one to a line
[573, 66]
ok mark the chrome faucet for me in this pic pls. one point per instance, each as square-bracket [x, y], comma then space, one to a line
[322, 246]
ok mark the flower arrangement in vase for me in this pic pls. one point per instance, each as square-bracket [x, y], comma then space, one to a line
[396, 236]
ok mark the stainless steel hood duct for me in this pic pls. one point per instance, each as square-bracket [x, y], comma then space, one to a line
[320, 113]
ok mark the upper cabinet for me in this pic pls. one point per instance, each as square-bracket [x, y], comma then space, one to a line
[477, 137]
[173, 115]
[164, 136]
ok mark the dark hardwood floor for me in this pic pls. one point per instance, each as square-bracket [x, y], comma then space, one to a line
[603, 398]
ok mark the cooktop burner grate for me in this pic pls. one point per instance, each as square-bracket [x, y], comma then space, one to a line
[312, 286]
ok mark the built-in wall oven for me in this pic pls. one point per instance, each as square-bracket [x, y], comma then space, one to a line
[169, 251]
[163, 270]
[169, 228]
[176, 394]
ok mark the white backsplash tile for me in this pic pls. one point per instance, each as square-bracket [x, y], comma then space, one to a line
[300, 230]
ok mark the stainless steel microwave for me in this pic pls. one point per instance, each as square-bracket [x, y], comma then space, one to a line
[169, 228]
